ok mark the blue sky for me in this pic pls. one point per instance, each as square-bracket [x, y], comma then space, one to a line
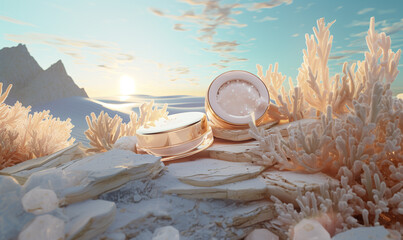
[177, 47]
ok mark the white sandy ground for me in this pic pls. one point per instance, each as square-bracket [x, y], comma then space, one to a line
[142, 207]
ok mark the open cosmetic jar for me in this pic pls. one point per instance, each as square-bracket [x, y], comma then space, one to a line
[178, 135]
[233, 96]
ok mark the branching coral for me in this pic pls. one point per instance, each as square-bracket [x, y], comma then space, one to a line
[290, 104]
[25, 136]
[104, 131]
[359, 139]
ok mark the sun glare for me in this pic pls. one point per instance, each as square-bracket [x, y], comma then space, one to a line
[127, 85]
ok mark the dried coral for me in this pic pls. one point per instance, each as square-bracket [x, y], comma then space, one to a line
[25, 136]
[359, 139]
[290, 104]
[104, 131]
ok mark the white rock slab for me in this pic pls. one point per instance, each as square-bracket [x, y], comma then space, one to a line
[241, 151]
[44, 227]
[231, 151]
[89, 218]
[281, 184]
[166, 233]
[284, 184]
[248, 190]
[237, 134]
[86, 178]
[251, 213]
[126, 143]
[311, 229]
[212, 172]
[12, 214]
[23, 170]
[261, 234]
[40, 201]
[360, 233]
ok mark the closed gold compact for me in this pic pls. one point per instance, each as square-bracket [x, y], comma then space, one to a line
[233, 96]
[177, 136]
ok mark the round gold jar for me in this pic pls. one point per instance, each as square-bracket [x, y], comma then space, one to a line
[178, 134]
[233, 97]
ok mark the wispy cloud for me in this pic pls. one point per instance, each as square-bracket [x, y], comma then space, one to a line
[338, 8]
[108, 55]
[224, 46]
[218, 65]
[181, 73]
[394, 28]
[16, 21]
[210, 15]
[270, 4]
[344, 54]
[304, 8]
[295, 35]
[365, 10]
[179, 27]
[357, 23]
[267, 18]
[157, 12]
[180, 70]
[386, 11]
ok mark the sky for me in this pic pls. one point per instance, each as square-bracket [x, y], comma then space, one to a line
[169, 47]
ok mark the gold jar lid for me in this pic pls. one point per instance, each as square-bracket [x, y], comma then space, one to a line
[179, 133]
[233, 96]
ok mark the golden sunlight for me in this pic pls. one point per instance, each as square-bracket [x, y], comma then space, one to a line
[127, 85]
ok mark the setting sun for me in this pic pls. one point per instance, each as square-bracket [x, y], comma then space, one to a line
[127, 85]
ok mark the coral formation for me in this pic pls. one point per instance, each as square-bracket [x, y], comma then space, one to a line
[25, 136]
[104, 131]
[359, 138]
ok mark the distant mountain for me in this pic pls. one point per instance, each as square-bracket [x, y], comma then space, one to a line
[31, 84]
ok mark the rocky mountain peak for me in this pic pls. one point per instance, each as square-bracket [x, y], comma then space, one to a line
[31, 84]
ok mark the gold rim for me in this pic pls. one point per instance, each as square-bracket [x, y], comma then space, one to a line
[173, 138]
[206, 143]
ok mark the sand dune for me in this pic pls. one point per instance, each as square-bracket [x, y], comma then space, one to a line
[76, 108]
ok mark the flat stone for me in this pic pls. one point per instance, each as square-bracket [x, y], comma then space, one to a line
[23, 170]
[40, 201]
[311, 229]
[212, 172]
[243, 151]
[248, 190]
[12, 214]
[166, 233]
[251, 213]
[86, 178]
[261, 234]
[126, 143]
[378, 232]
[284, 184]
[237, 134]
[89, 218]
[232, 151]
[281, 184]
[44, 227]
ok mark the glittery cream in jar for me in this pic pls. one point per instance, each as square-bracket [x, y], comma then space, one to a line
[177, 136]
[233, 96]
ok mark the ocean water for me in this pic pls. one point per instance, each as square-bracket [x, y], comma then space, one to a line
[77, 108]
